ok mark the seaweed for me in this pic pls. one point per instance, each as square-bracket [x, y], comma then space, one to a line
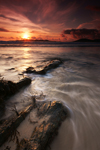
[15, 110]
[14, 135]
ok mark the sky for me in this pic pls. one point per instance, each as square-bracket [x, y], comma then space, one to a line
[55, 20]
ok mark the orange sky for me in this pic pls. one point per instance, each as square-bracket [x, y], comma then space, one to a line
[56, 20]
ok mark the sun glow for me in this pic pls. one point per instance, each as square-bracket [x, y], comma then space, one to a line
[25, 36]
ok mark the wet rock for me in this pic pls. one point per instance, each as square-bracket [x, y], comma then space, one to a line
[2, 107]
[8, 127]
[23, 82]
[8, 88]
[11, 69]
[9, 58]
[44, 133]
[30, 70]
[51, 65]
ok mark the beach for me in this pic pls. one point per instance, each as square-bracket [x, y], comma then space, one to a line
[75, 83]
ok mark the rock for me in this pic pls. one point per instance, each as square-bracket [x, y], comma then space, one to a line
[8, 127]
[8, 88]
[23, 82]
[30, 70]
[2, 107]
[11, 69]
[51, 65]
[44, 133]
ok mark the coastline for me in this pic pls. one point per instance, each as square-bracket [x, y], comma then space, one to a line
[74, 83]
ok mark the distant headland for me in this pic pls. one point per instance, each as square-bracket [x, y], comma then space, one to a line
[87, 40]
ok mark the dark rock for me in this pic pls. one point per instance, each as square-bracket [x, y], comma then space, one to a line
[8, 88]
[30, 70]
[9, 58]
[51, 65]
[44, 133]
[2, 107]
[23, 82]
[11, 69]
[8, 127]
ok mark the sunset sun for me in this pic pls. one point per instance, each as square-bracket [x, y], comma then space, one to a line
[26, 36]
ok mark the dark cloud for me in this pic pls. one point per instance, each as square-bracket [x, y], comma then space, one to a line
[3, 30]
[63, 35]
[93, 8]
[12, 19]
[99, 27]
[11, 37]
[82, 33]
[1, 37]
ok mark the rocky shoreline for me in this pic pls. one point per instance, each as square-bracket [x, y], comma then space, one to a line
[45, 130]
[44, 133]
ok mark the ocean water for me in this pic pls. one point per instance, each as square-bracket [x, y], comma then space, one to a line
[76, 83]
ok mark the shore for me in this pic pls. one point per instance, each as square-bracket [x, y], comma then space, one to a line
[75, 83]
[44, 118]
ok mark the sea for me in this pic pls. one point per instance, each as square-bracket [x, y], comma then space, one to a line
[75, 83]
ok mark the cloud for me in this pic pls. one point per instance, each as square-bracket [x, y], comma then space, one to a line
[11, 37]
[94, 24]
[12, 19]
[17, 31]
[1, 37]
[81, 33]
[46, 17]
[47, 13]
[3, 30]
[93, 8]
